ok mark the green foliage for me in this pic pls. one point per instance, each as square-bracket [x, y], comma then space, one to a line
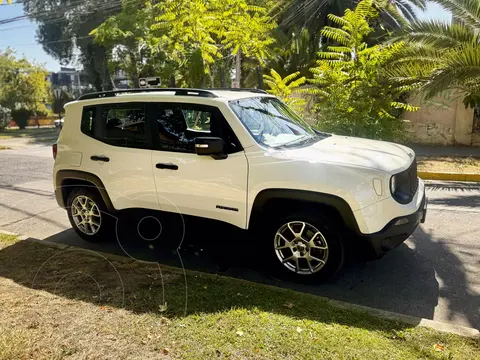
[214, 28]
[59, 102]
[286, 88]
[353, 96]
[4, 117]
[129, 37]
[22, 84]
[442, 56]
[294, 52]
[314, 14]
[63, 31]
[21, 116]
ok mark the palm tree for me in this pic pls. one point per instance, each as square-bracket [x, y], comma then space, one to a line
[313, 13]
[443, 56]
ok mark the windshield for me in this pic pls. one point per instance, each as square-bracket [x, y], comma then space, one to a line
[271, 122]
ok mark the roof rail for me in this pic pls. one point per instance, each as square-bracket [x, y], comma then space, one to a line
[177, 91]
[260, 91]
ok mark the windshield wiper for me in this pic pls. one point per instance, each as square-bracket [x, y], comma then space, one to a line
[296, 141]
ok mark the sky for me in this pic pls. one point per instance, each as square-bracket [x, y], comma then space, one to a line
[20, 35]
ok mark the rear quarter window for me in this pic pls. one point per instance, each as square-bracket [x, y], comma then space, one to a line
[88, 120]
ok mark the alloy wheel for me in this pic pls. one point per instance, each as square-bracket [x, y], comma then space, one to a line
[86, 215]
[301, 247]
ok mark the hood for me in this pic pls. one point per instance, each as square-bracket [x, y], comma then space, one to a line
[374, 154]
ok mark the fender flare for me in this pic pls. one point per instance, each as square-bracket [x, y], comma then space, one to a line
[334, 201]
[63, 175]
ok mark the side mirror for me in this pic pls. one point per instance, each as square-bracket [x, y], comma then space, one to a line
[210, 146]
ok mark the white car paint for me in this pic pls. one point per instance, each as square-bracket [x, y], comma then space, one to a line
[346, 167]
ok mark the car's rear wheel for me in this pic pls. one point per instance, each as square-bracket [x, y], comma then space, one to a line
[89, 215]
[305, 247]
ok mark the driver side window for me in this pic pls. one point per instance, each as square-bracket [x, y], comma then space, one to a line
[179, 124]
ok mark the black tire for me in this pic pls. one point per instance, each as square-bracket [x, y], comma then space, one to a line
[330, 228]
[107, 224]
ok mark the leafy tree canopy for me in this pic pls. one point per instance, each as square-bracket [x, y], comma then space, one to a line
[22, 84]
[354, 96]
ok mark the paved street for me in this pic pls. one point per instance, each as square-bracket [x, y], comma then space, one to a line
[435, 274]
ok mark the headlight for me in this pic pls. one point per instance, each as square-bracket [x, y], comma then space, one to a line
[393, 185]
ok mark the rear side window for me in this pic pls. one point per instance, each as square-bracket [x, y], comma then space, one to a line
[124, 124]
[88, 120]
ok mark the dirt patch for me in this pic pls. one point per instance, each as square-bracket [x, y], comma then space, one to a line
[467, 165]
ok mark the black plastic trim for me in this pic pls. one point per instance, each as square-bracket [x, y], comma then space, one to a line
[303, 195]
[63, 175]
[393, 235]
[177, 91]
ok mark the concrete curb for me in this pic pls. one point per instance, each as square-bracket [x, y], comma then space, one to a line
[426, 175]
[388, 315]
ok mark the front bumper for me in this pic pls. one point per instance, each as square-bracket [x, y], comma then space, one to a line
[395, 232]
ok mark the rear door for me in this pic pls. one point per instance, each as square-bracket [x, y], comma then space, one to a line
[192, 184]
[118, 149]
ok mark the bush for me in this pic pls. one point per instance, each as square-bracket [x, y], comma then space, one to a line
[4, 118]
[20, 116]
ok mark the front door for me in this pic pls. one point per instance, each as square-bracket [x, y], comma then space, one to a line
[198, 185]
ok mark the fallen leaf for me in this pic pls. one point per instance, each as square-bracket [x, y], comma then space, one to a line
[165, 350]
[288, 305]
[240, 333]
[106, 308]
[299, 329]
[439, 347]
[163, 307]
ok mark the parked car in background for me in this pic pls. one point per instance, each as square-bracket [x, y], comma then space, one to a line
[59, 123]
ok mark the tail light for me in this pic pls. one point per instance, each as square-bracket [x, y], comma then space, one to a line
[55, 150]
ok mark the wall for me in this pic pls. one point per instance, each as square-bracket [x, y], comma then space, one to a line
[442, 121]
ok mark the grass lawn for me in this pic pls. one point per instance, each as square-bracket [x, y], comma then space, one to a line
[31, 133]
[463, 165]
[75, 304]
[4, 147]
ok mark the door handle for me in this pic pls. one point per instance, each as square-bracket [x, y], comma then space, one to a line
[99, 158]
[167, 166]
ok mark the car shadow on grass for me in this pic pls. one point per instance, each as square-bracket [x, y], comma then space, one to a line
[400, 282]
[145, 288]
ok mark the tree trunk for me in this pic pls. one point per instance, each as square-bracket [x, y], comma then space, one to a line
[212, 81]
[238, 68]
[221, 76]
[172, 81]
[260, 77]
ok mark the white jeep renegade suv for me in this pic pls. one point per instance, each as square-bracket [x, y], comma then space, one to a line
[241, 157]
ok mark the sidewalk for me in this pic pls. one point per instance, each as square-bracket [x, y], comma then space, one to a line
[453, 151]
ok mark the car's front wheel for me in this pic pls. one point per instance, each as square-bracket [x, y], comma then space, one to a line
[305, 247]
[88, 214]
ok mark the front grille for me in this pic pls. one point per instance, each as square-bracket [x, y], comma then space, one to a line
[407, 184]
[412, 173]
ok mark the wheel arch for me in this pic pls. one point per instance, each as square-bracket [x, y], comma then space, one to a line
[272, 197]
[67, 180]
